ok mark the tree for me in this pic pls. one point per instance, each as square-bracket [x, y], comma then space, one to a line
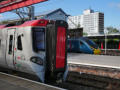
[4, 22]
[78, 26]
[112, 30]
[85, 34]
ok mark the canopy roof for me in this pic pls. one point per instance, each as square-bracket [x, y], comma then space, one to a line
[8, 5]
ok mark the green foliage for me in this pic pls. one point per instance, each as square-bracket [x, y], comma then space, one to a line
[78, 26]
[112, 30]
[4, 22]
[95, 40]
[85, 34]
[116, 39]
[108, 40]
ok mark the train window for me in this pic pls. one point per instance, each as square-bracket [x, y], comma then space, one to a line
[0, 43]
[39, 39]
[10, 44]
[81, 43]
[91, 43]
[19, 43]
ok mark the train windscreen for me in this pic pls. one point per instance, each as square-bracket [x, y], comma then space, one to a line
[39, 39]
[91, 43]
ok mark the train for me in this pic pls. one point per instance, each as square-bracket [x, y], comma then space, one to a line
[83, 45]
[37, 47]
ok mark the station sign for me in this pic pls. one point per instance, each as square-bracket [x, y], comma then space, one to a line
[8, 5]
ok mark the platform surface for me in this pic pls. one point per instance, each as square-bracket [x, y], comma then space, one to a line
[94, 60]
[9, 82]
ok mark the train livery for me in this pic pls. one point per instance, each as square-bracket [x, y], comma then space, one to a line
[37, 47]
[83, 45]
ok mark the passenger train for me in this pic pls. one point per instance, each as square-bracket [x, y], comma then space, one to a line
[37, 47]
[83, 45]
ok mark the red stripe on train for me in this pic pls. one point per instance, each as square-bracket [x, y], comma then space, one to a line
[60, 48]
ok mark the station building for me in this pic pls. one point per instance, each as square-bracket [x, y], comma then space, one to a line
[57, 14]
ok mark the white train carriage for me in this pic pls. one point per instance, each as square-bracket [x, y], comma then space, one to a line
[37, 47]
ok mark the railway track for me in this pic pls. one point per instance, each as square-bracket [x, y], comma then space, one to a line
[69, 84]
[75, 81]
[93, 82]
[100, 78]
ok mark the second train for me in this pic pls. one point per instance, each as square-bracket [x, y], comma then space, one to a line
[83, 45]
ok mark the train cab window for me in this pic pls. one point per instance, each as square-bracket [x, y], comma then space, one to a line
[81, 43]
[39, 39]
[10, 44]
[19, 43]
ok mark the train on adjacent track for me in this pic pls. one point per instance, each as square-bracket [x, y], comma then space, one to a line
[83, 45]
[37, 47]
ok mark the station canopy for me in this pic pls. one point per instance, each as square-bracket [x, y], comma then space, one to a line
[8, 5]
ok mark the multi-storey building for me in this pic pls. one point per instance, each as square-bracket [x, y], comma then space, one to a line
[92, 22]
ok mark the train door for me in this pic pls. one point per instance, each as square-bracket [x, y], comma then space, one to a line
[20, 63]
[10, 47]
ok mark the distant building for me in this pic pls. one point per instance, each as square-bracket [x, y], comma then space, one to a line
[57, 14]
[92, 22]
[75, 33]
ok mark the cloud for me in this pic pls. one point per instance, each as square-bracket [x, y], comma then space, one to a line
[117, 5]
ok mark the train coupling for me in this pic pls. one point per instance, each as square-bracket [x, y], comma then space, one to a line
[59, 78]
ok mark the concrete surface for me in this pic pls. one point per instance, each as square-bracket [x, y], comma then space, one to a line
[94, 60]
[9, 82]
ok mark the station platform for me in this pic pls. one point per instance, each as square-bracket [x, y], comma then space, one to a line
[96, 65]
[94, 60]
[10, 82]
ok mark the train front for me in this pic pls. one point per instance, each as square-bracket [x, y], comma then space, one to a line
[94, 47]
[50, 40]
[56, 51]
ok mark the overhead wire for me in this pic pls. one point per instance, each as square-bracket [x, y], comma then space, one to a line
[48, 3]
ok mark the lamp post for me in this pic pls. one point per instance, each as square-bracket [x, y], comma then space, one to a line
[105, 41]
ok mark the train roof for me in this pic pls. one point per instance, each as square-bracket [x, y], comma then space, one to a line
[41, 22]
[2, 26]
[33, 23]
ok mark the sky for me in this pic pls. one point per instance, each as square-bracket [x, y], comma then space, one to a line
[110, 8]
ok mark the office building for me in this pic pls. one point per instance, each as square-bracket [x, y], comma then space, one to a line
[91, 22]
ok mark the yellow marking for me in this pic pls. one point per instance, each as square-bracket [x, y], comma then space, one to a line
[97, 51]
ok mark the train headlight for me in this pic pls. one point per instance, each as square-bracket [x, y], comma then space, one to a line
[37, 60]
[97, 51]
